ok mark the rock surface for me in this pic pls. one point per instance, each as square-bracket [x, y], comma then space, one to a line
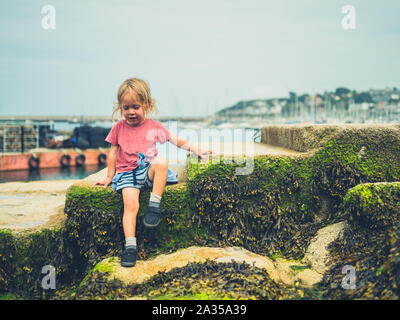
[306, 273]
[280, 270]
[317, 252]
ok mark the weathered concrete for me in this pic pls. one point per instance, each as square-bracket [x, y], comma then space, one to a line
[305, 138]
[34, 187]
[27, 206]
[246, 148]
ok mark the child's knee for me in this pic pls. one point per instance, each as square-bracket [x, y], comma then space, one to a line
[131, 207]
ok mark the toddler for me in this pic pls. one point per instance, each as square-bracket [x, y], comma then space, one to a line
[133, 162]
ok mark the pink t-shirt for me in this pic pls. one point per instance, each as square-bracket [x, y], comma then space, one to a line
[132, 140]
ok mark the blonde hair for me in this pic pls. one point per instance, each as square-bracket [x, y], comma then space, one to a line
[142, 89]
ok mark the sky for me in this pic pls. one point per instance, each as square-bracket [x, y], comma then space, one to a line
[198, 56]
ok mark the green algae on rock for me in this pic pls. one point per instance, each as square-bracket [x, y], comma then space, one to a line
[283, 201]
[279, 269]
[93, 220]
[206, 280]
[7, 260]
[370, 244]
[98, 229]
[26, 254]
[374, 205]
[261, 211]
[223, 280]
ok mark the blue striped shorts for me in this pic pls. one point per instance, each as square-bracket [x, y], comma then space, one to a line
[137, 178]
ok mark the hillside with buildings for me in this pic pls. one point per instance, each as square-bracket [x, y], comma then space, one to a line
[342, 105]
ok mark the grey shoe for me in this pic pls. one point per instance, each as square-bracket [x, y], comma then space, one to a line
[152, 217]
[129, 256]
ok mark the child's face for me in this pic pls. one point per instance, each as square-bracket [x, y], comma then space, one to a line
[132, 108]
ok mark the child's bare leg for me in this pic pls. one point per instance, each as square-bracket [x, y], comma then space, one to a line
[158, 174]
[131, 208]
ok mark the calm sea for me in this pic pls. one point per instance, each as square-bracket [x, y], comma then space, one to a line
[71, 173]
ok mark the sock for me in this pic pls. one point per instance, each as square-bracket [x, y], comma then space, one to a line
[155, 200]
[130, 242]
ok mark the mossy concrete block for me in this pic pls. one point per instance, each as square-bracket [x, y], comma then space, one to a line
[92, 229]
[374, 205]
[305, 138]
[374, 150]
[370, 244]
[343, 157]
[23, 255]
[283, 195]
[94, 220]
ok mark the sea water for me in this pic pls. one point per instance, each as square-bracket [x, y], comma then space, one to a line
[70, 173]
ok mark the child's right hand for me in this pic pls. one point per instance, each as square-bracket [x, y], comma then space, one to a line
[202, 153]
[106, 182]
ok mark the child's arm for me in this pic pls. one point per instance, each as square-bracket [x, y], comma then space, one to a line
[112, 157]
[186, 145]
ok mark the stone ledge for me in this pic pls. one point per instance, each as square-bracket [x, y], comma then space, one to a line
[27, 207]
[306, 138]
